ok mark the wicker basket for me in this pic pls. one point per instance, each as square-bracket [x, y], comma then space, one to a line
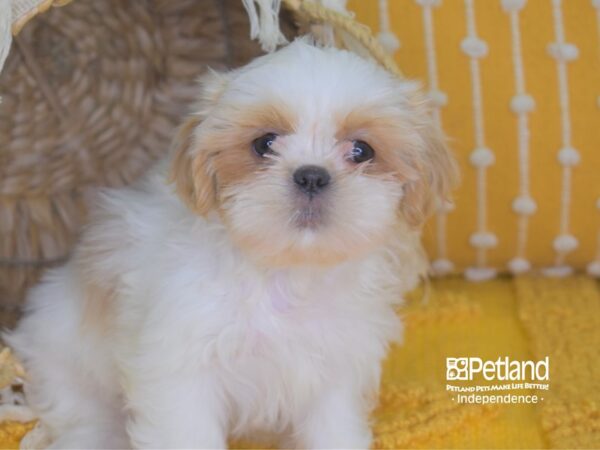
[91, 94]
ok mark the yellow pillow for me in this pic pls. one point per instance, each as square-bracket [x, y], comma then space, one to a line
[534, 68]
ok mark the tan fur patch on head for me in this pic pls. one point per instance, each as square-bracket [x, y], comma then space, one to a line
[217, 153]
[232, 158]
[409, 148]
[393, 145]
[193, 192]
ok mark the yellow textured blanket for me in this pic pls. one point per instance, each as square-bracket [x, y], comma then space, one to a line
[523, 319]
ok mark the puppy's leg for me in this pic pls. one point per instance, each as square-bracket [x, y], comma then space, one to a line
[94, 436]
[180, 411]
[78, 414]
[337, 419]
[69, 377]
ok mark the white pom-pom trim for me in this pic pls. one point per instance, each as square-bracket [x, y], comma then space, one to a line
[524, 205]
[593, 268]
[482, 157]
[522, 103]
[513, 5]
[568, 157]
[474, 47]
[557, 271]
[442, 266]
[429, 2]
[563, 51]
[389, 41]
[565, 243]
[519, 265]
[483, 239]
[438, 98]
[480, 273]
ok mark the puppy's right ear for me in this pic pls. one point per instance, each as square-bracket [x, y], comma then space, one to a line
[191, 168]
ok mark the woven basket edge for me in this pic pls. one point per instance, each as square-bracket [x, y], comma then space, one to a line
[42, 7]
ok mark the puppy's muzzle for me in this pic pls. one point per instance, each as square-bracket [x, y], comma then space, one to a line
[311, 180]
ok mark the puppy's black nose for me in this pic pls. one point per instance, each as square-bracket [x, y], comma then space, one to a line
[311, 179]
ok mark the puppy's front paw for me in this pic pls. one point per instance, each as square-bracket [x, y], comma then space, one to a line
[338, 420]
[342, 438]
[199, 437]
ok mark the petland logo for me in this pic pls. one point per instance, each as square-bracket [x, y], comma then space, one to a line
[516, 381]
[503, 369]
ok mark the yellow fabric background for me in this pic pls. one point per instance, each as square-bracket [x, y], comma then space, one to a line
[498, 84]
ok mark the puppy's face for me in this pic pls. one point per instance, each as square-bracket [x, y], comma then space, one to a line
[311, 156]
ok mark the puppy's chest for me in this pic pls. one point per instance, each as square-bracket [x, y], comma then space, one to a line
[290, 336]
[282, 313]
[280, 340]
[280, 309]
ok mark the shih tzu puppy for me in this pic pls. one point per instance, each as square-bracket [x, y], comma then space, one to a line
[247, 285]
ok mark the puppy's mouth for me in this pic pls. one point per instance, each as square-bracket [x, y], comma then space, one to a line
[309, 213]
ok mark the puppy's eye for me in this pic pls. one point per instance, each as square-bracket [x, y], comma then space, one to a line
[262, 145]
[361, 152]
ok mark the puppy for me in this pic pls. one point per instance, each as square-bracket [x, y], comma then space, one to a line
[247, 285]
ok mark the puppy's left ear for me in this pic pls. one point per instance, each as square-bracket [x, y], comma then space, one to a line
[436, 171]
[191, 168]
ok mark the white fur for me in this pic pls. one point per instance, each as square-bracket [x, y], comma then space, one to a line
[202, 341]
